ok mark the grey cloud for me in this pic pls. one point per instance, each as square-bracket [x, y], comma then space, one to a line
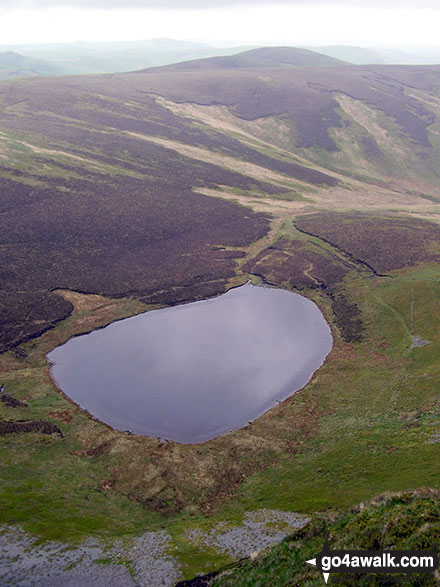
[209, 4]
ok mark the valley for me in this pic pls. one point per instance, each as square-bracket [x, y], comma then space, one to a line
[123, 193]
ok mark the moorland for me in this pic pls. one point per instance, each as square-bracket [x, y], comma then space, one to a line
[126, 192]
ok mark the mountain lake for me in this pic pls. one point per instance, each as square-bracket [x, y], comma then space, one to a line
[192, 372]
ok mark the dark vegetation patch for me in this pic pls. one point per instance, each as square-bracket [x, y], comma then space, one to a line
[392, 521]
[16, 195]
[348, 318]
[250, 96]
[26, 314]
[26, 426]
[186, 293]
[174, 128]
[383, 243]
[115, 236]
[298, 264]
[12, 402]
[371, 150]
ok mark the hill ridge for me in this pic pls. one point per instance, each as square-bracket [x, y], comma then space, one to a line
[256, 58]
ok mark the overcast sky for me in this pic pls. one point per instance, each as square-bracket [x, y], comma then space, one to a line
[387, 23]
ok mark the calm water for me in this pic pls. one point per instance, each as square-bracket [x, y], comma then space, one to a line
[193, 372]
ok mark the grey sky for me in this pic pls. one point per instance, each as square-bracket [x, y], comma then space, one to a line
[367, 23]
[210, 4]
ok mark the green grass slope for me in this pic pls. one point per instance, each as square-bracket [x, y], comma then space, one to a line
[405, 521]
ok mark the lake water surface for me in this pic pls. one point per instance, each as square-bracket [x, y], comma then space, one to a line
[192, 372]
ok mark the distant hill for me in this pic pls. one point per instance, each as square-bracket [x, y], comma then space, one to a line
[13, 65]
[259, 58]
[28, 60]
[381, 55]
[351, 54]
[111, 57]
[397, 57]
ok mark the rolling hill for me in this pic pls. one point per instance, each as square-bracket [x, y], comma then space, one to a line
[109, 57]
[352, 54]
[126, 192]
[266, 57]
[13, 65]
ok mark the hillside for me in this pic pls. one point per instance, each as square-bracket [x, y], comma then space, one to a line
[382, 516]
[109, 57]
[128, 192]
[258, 58]
[13, 65]
[351, 54]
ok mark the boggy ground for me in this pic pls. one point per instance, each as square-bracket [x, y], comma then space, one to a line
[366, 423]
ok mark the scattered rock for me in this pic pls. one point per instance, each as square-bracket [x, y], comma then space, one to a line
[143, 560]
[435, 438]
[125, 563]
[258, 530]
[417, 341]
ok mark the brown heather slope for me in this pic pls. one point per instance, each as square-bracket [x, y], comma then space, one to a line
[303, 94]
[113, 236]
[98, 174]
[383, 243]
